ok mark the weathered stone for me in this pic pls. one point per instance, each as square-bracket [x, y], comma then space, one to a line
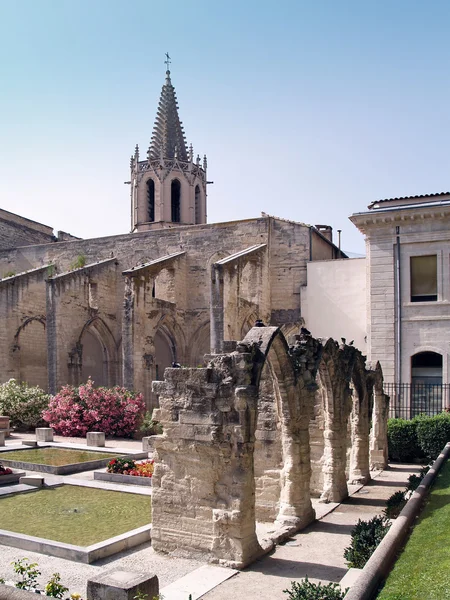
[95, 438]
[122, 585]
[44, 434]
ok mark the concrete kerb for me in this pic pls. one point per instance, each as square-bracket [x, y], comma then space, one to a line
[381, 561]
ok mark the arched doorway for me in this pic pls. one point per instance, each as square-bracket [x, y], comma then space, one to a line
[164, 354]
[426, 383]
[94, 362]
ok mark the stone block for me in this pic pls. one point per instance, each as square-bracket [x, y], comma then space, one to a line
[2, 437]
[34, 480]
[95, 438]
[44, 434]
[147, 443]
[122, 585]
[30, 443]
[4, 424]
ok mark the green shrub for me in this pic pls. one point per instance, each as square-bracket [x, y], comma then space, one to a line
[433, 433]
[149, 426]
[403, 444]
[366, 535]
[306, 590]
[22, 404]
[395, 504]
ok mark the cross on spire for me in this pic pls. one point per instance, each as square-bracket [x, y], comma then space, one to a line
[167, 61]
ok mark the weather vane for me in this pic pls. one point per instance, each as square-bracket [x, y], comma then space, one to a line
[167, 61]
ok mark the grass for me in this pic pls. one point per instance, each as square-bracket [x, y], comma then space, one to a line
[55, 457]
[74, 514]
[422, 572]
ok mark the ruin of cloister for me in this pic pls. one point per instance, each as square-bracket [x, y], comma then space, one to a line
[254, 435]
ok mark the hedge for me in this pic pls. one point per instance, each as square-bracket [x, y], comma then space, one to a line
[417, 439]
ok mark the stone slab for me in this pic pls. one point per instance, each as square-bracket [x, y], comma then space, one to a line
[34, 480]
[197, 583]
[119, 478]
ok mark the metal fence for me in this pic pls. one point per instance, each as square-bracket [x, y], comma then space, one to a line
[407, 400]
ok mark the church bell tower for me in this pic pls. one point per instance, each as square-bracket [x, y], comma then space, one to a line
[169, 187]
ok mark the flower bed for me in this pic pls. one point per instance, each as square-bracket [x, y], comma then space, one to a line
[125, 466]
[125, 470]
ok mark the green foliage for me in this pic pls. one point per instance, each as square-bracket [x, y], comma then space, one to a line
[433, 433]
[402, 440]
[149, 426]
[78, 263]
[28, 573]
[22, 404]
[51, 270]
[54, 587]
[305, 590]
[9, 274]
[395, 504]
[366, 535]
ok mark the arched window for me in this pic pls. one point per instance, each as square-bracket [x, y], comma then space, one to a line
[426, 383]
[151, 199]
[198, 215]
[175, 195]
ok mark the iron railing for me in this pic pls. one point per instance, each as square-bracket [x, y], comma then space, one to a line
[407, 400]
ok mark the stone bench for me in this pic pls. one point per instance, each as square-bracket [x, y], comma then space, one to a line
[95, 438]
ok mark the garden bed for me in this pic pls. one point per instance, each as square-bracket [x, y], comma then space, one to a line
[120, 478]
[75, 522]
[57, 460]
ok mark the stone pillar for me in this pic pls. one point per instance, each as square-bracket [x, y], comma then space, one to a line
[217, 317]
[44, 434]
[95, 438]
[295, 499]
[52, 347]
[359, 456]
[127, 335]
[378, 434]
[2, 437]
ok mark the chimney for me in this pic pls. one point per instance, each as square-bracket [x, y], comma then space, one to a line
[326, 231]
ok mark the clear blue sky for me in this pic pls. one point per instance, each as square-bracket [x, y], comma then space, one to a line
[306, 110]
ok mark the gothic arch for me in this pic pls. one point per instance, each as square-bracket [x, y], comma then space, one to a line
[359, 469]
[95, 350]
[199, 345]
[30, 352]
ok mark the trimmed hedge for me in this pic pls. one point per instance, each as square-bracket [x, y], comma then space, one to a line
[419, 438]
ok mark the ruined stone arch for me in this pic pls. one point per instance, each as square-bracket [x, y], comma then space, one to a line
[335, 373]
[378, 442]
[358, 468]
[199, 345]
[94, 355]
[209, 419]
[29, 352]
[248, 321]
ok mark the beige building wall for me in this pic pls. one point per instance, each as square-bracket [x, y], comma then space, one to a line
[334, 300]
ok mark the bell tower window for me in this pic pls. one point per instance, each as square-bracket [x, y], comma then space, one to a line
[175, 195]
[198, 217]
[151, 199]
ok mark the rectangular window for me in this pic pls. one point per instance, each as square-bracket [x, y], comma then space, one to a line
[424, 278]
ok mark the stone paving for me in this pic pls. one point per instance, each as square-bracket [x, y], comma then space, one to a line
[317, 551]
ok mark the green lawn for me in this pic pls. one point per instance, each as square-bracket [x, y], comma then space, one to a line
[74, 514]
[422, 571]
[56, 457]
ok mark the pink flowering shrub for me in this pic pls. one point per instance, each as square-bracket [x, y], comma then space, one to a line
[75, 411]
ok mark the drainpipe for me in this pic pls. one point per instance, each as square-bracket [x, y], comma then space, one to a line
[398, 328]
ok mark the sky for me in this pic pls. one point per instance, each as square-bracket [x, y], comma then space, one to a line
[306, 110]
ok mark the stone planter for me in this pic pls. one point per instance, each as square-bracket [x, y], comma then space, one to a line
[119, 478]
[11, 479]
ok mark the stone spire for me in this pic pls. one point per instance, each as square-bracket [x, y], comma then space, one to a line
[168, 138]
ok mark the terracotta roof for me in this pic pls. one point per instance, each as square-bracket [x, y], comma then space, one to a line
[408, 198]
